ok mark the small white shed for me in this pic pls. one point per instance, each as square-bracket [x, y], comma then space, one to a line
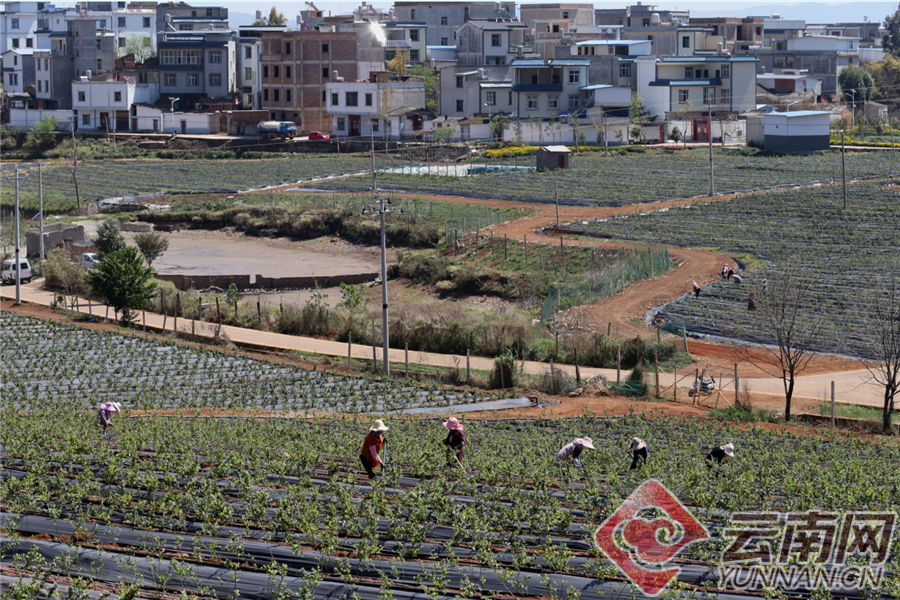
[800, 131]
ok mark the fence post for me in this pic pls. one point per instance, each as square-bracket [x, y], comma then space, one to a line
[737, 384]
[492, 242]
[502, 377]
[577, 370]
[165, 315]
[832, 405]
[468, 378]
[552, 377]
[505, 254]
[656, 369]
[525, 240]
[349, 347]
[674, 384]
[90, 310]
[406, 357]
[144, 319]
[618, 364]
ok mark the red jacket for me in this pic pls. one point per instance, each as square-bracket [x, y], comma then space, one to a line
[371, 447]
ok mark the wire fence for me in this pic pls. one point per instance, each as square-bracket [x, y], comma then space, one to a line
[634, 267]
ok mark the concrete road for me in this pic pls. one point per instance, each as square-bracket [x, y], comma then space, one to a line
[850, 387]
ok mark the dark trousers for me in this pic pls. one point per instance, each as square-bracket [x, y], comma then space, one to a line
[638, 455]
[368, 466]
[459, 452]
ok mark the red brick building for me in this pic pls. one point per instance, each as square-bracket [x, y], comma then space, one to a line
[296, 65]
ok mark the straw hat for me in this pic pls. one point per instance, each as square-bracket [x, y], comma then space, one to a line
[728, 449]
[111, 407]
[638, 444]
[453, 423]
[379, 426]
[585, 442]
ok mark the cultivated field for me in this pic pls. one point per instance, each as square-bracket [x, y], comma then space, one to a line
[844, 253]
[264, 508]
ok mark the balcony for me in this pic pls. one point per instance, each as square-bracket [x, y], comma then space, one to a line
[397, 44]
[270, 58]
[520, 50]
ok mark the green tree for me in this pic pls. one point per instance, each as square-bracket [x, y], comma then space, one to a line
[886, 75]
[517, 130]
[232, 296]
[675, 135]
[64, 275]
[443, 134]
[109, 237]
[856, 78]
[124, 282]
[399, 64]
[891, 40]
[152, 245]
[44, 133]
[498, 125]
[274, 18]
[353, 300]
[140, 47]
[432, 86]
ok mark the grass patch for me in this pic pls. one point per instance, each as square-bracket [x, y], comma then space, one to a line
[855, 411]
[733, 413]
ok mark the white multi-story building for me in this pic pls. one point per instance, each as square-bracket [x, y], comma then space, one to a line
[107, 105]
[384, 108]
[127, 22]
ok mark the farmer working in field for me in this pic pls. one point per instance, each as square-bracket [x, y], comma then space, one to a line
[721, 453]
[574, 450]
[638, 450]
[696, 288]
[456, 438]
[105, 414]
[369, 455]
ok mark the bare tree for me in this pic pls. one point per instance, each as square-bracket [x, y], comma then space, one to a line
[881, 310]
[791, 333]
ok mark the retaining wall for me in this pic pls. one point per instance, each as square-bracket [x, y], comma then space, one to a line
[258, 282]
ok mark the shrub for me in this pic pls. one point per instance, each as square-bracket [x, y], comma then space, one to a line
[506, 373]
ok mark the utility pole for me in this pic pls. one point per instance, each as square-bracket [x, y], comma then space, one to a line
[41, 204]
[844, 169]
[372, 136]
[74, 149]
[556, 183]
[382, 207]
[712, 187]
[18, 264]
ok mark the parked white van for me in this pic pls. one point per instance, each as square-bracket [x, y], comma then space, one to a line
[9, 270]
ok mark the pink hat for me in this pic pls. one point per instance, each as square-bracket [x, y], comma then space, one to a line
[585, 442]
[111, 406]
[728, 449]
[453, 423]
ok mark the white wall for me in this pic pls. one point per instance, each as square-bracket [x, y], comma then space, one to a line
[102, 95]
[361, 90]
[23, 117]
[782, 125]
[656, 98]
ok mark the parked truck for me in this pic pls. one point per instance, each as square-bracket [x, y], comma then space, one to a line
[274, 129]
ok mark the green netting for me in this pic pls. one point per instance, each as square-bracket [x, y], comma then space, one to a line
[636, 266]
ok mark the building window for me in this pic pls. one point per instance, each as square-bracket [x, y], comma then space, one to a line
[509, 100]
[99, 43]
[265, 95]
[209, 12]
[685, 41]
[193, 79]
[323, 96]
[682, 96]
[645, 22]
[146, 22]
[534, 80]
[444, 41]
[86, 120]
[459, 106]
[414, 35]
[276, 95]
[287, 48]
[444, 21]
[342, 123]
[709, 95]
[265, 70]
[117, 96]
[459, 81]
[287, 72]
[142, 78]
[495, 40]
[248, 52]
[101, 24]
[171, 79]
[121, 21]
[324, 48]
[215, 57]
[215, 79]
[726, 71]
[726, 97]
[324, 72]
[14, 24]
[352, 98]
[553, 102]
[412, 14]
[13, 79]
[39, 85]
[185, 27]
[182, 57]
[29, 43]
[121, 42]
[276, 71]
[375, 125]
[368, 99]
[689, 72]
[491, 98]
[574, 102]
[248, 73]
[334, 99]
[15, 42]
[81, 96]
[565, 14]
[287, 95]
[574, 76]
[625, 70]
[531, 102]
[99, 64]
[495, 60]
